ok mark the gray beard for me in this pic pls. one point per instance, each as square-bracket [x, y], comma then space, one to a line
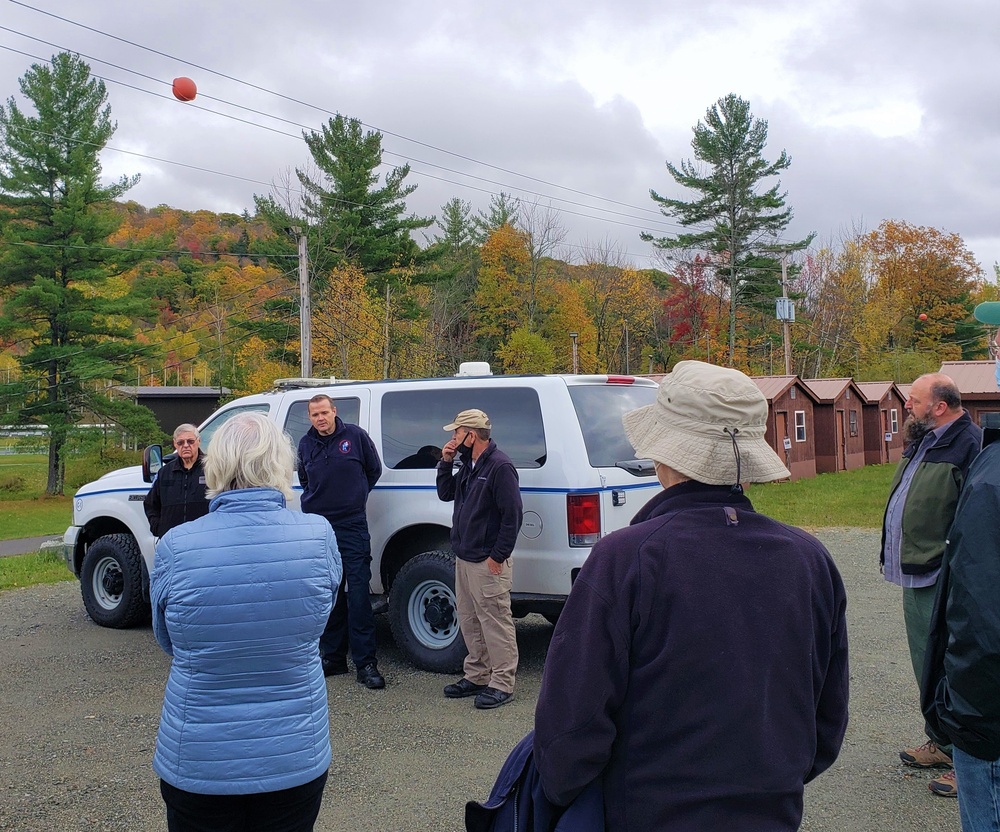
[915, 429]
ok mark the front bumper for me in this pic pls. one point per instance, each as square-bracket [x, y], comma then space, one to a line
[69, 548]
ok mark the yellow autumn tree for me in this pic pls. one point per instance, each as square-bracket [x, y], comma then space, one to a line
[499, 306]
[347, 327]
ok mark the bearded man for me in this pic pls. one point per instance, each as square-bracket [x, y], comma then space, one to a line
[941, 441]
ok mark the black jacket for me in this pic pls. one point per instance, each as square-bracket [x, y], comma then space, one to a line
[960, 691]
[338, 471]
[176, 496]
[487, 515]
[699, 668]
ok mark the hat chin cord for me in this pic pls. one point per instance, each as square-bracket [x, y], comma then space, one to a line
[738, 486]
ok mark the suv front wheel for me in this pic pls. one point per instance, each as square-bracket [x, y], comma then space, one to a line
[423, 613]
[111, 582]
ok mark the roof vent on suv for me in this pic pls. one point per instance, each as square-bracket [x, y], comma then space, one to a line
[474, 368]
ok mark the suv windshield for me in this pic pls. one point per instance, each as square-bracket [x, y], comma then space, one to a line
[599, 408]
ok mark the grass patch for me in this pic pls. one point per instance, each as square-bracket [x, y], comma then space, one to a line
[34, 518]
[20, 571]
[850, 498]
[22, 475]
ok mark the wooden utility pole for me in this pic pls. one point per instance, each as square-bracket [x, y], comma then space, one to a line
[305, 309]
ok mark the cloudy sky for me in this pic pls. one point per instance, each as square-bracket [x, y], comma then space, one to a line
[889, 109]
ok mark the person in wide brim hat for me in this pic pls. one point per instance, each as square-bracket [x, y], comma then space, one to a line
[708, 424]
[699, 668]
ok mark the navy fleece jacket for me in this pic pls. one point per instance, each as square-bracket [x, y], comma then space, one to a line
[487, 515]
[337, 472]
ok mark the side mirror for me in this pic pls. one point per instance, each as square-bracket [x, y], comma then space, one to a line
[152, 462]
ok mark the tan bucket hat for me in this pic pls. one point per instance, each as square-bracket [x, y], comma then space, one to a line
[699, 412]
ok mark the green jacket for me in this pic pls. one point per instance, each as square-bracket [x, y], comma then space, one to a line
[933, 495]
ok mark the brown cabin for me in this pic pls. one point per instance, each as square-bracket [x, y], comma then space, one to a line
[790, 423]
[977, 383]
[840, 434]
[883, 413]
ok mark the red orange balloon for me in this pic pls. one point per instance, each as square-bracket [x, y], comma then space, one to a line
[923, 316]
[184, 89]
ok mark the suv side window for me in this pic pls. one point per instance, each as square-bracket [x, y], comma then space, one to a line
[412, 422]
[209, 429]
[297, 421]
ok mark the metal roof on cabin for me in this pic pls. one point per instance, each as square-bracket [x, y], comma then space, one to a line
[826, 388]
[773, 386]
[874, 391]
[171, 392]
[972, 377]
[905, 389]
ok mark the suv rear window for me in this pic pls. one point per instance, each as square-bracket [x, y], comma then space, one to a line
[412, 422]
[599, 408]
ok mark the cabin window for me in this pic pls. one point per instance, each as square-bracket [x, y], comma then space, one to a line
[800, 426]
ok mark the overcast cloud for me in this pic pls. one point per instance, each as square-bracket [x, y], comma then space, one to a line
[888, 109]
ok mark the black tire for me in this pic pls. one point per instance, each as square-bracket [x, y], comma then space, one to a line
[423, 614]
[111, 582]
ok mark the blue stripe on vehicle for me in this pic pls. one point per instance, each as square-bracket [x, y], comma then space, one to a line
[111, 491]
[524, 489]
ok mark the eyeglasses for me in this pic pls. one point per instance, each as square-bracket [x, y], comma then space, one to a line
[180, 443]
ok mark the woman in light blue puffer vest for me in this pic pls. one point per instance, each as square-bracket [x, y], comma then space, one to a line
[240, 598]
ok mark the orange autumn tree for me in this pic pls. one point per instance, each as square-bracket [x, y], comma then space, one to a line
[913, 270]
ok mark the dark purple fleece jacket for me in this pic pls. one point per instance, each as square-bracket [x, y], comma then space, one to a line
[699, 667]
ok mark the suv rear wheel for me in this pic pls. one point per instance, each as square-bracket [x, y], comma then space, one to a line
[111, 582]
[423, 613]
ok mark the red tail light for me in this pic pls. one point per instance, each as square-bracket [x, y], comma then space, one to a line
[583, 513]
[621, 379]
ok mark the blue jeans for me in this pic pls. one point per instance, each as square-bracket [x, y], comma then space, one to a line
[352, 620]
[978, 792]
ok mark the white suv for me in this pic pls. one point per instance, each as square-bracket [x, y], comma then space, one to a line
[579, 480]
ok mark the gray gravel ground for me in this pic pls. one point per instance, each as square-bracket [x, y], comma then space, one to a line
[79, 707]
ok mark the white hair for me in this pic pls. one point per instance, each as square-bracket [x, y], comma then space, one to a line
[186, 428]
[249, 451]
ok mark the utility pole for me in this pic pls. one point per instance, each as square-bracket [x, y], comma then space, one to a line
[786, 334]
[576, 356]
[305, 311]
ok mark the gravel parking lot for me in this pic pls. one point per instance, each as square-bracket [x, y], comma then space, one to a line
[79, 707]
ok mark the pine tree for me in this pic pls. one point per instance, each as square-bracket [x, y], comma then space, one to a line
[360, 223]
[55, 220]
[741, 225]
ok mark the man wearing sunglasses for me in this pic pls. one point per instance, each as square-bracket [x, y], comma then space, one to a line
[177, 495]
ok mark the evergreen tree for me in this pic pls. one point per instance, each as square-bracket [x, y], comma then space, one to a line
[55, 220]
[504, 210]
[741, 224]
[459, 230]
[360, 223]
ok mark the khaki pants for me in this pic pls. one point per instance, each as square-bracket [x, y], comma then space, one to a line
[486, 622]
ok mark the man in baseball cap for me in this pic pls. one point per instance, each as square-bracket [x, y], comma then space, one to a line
[699, 667]
[485, 523]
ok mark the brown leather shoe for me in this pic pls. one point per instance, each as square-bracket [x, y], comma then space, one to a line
[928, 755]
[945, 785]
